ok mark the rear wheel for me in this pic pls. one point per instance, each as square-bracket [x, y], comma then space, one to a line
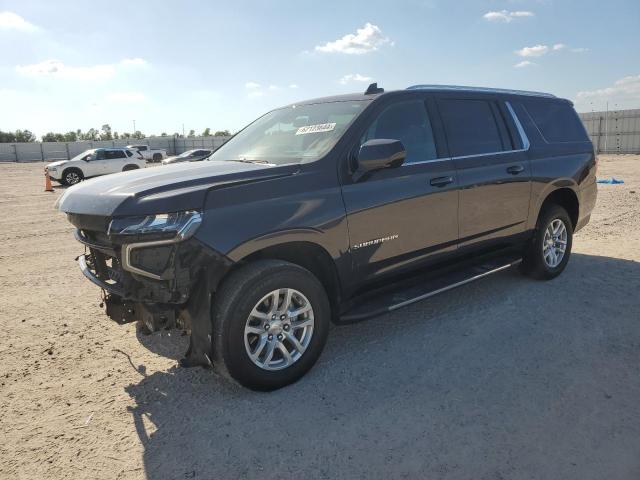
[550, 249]
[157, 157]
[130, 167]
[270, 324]
[71, 176]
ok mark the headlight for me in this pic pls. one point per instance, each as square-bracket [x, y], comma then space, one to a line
[182, 224]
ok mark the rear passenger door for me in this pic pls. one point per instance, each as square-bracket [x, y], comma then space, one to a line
[494, 174]
[114, 161]
[405, 216]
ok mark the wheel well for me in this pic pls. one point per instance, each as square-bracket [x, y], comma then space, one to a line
[566, 198]
[130, 167]
[310, 256]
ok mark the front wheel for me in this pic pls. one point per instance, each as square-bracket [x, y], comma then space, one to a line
[71, 176]
[270, 324]
[550, 249]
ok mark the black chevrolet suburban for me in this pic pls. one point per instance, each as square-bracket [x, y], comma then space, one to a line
[334, 210]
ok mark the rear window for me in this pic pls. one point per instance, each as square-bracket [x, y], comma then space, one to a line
[472, 127]
[557, 121]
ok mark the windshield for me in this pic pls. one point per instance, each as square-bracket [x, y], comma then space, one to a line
[299, 133]
[83, 155]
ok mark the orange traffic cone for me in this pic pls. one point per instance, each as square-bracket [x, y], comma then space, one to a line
[47, 182]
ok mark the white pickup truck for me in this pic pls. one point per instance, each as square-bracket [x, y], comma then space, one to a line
[149, 154]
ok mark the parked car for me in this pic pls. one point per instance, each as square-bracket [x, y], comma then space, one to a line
[95, 162]
[150, 154]
[337, 209]
[188, 156]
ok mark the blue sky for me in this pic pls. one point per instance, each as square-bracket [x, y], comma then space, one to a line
[68, 65]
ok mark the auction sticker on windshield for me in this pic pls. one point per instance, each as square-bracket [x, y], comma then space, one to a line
[322, 127]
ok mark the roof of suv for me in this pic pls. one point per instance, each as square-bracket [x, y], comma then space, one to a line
[431, 88]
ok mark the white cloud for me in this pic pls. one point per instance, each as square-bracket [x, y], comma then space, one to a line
[623, 91]
[354, 77]
[135, 61]
[559, 46]
[579, 50]
[366, 39]
[57, 69]
[525, 63]
[128, 97]
[251, 85]
[13, 21]
[535, 51]
[274, 87]
[293, 85]
[506, 16]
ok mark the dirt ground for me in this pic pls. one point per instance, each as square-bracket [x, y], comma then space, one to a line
[503, 378]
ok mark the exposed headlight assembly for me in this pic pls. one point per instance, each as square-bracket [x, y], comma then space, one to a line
[181, 226]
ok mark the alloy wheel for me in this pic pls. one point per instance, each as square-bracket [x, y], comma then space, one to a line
[279, 329]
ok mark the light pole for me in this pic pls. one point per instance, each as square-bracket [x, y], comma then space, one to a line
[134, 126]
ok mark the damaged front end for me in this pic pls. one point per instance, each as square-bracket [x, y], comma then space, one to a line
[152, 271]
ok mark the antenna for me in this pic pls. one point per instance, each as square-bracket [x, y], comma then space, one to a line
[373, 89]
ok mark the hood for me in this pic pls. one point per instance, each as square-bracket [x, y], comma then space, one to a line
[162, 189]
[57, 164]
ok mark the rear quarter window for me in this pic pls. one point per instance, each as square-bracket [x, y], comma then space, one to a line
[558, 122]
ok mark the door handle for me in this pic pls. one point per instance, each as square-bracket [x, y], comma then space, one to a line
[441, 181]
[515, 169]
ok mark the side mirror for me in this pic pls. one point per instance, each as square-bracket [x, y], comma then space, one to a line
[88, 158]
[380, 153]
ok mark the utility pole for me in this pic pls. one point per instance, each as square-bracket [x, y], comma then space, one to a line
[134, 126]
[183, 130]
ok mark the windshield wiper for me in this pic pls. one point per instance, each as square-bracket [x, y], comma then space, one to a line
[244, 160]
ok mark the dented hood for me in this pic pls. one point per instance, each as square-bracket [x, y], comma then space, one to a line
[168, 188]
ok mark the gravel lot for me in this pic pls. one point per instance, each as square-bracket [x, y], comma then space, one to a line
[503, 378]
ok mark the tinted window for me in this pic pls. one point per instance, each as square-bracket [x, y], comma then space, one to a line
[129, 153]
[113, 154]
[142, 148]
[557, 121]
[408, 122]
[471, 127]
[100, 155]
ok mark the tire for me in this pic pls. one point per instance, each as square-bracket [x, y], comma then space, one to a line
[240, 295]
[71, 176]
[130, 167]
[534, 263]
[157, 157]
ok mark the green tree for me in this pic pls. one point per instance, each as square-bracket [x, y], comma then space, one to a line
[106, 132]
[7, 137]
[71, 136]
[126, 135]
[163, 134]
[116, 136]
[222, 133]
[138, 135]
[192, 133]
[25, 136]
[207, 132]
[53, 137]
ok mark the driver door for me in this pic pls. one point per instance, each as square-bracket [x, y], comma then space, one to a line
[408, 215]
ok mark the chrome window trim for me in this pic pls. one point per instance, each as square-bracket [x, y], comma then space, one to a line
[461, 88]
[516, 120]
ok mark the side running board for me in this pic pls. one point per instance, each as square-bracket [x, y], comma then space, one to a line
[430, 286]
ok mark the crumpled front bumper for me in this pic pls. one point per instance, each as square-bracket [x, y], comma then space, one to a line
[153, 281]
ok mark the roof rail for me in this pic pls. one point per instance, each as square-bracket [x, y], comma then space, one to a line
[480, 89]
